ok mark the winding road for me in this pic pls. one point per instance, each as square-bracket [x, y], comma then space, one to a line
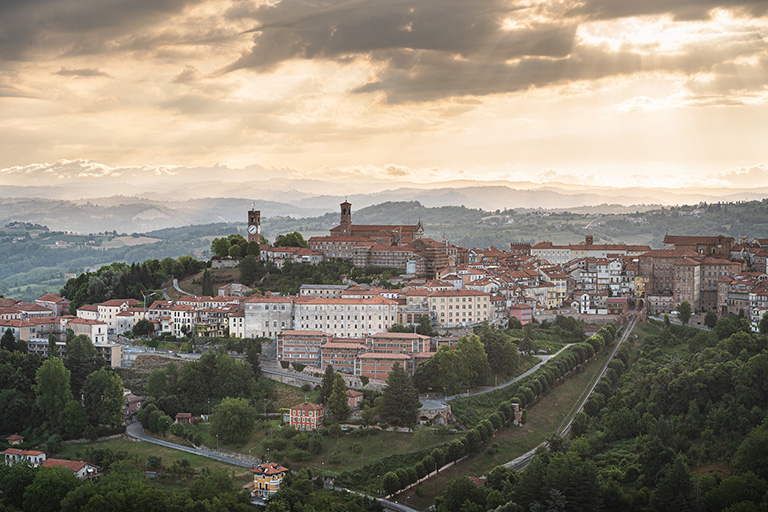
[136, 431]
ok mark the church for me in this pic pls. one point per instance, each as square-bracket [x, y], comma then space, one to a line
[382, 234]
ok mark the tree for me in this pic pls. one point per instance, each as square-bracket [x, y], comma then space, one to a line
[710, 319]
[52, 388]
[674, 489]
[684, 312]
[457, 493]
[103, 397]
[53, 351]
[752, 454]
[294, 239]
[338, 402]
[400, 400]
[233, 420]
[143, 327]
[391, 483]
[249, 269]
[8, 341]
[252, 351]
[49, 487]
[220, 247]
[762, 325]
[73, 422]
[82, 360]
[326, 386]
[207, 284]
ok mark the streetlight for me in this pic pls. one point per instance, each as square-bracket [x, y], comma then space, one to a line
[249, 458]
[322, 465]
[217, 442]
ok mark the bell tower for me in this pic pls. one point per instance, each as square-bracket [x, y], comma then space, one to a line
[254, 225]
[346, 219]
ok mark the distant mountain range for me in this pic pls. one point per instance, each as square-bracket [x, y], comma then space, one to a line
[202, 202]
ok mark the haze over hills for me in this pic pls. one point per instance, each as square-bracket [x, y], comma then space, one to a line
[85, 196]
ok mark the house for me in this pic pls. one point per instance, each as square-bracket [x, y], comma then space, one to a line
[306, 416]
[56, 303]
[267, 479]
[13, 455]
[522, 312]
[132, 403]
[14, 439]
[82, 470]
[183, 417]
[354, 398]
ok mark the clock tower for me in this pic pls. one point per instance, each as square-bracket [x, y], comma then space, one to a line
[254, 225]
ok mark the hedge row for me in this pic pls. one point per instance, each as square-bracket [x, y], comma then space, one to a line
[523, 392]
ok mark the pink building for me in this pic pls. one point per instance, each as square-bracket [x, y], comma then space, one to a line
[522, 312]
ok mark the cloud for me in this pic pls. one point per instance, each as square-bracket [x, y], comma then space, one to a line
[81, 73]
[680, 9]
[744, 176]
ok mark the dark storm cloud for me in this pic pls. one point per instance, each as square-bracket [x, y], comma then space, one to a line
[336, 30]
[29, 25]
[81, 73]
[432, 49]
[679, 9]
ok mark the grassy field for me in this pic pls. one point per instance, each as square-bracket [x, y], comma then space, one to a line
[373, 447]
[288, 396]
[543, 418]
[141, 451]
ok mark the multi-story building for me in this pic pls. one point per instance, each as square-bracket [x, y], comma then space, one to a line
[56, 303]
[341, 354]
[378, 366]
[398, 343]
[94, 329]
[306, 416]
[267, 479]
[301, 346]
[267, 316]
[348, 318]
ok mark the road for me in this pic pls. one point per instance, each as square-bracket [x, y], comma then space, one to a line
[136, 431]
[176, 285]
[544, 359]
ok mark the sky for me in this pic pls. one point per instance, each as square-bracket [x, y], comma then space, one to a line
[587, 92]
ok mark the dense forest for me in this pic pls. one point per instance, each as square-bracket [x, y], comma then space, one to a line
[683, 428]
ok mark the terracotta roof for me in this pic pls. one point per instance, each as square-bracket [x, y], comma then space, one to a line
[51, 297]
[343, 346]
[354, 392]
[72, 465]
[89, 307]
[86, 321]
[269, 468]
[119, 302]
[398, 335]
[14, 437]
[377, 355]
[304, 333]
[307, 406]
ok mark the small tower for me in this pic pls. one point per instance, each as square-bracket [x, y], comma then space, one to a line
[346, 219]
[254, 225]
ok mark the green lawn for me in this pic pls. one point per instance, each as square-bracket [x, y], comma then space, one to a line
[142, 450]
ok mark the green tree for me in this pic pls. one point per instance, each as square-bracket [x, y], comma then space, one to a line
[82, 360]
[53, 351]
[710, 319]
[253, 249]
[52, 388]
[73, 421]
[8, 341]
[157, 383]
[49, 487]
[294, 239]
[233, 420]
[235, 252]
[103, 397]
[249, 269]
[326, 386]
[400, 400]
[338, 402]
[143, 327]
[220, 247]
[684, 312]
[752, 454]
[762, 325]
[457, 493]
[674, 489]
[391, 483]
[207, 284]
[252, 355]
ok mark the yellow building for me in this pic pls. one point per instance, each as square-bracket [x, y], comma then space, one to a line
[267, 479]
[640, 283]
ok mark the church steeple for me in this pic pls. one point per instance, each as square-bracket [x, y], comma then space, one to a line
[346, 219]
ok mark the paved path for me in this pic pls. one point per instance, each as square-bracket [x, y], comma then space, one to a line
[176, 285]
[544, 359]
[136, 431]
